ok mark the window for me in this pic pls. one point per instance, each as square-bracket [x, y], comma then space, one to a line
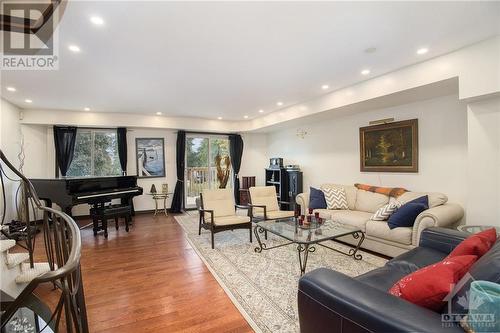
[96, 154]
[208, 165]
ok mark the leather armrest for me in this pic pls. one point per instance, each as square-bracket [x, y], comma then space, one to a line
[442, 239]
[332, 300]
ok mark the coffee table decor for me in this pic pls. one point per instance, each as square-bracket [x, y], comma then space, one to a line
[307, 235]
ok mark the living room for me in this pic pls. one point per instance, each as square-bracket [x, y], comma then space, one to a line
[360, 143]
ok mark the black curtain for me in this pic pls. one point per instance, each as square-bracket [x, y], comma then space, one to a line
[236, 151]
[121, 134]
[64, 139]
[178, 198]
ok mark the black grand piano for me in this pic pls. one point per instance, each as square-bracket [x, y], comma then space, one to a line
[71, 191]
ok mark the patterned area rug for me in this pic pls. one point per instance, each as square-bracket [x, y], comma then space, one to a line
[264, 285]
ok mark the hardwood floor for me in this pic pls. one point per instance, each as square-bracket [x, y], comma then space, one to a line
[151, 280]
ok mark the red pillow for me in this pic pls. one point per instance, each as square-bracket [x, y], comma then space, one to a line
[477, 244]
[428, 286]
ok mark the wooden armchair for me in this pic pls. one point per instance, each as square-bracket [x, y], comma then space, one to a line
[264, 204]
[218, 213]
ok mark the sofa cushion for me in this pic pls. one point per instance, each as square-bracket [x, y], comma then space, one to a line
[351, 217]
[324, 213]
[381, 278]
[429, 286]
[350, 192]
[380, 229]
[477, 244]
[405, 216]
[415, 259]
[435, 198]
[335, 198]
[370, 202]
[383, 213]
[316, 199]
[487, 268]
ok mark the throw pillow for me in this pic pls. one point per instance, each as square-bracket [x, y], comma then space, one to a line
[383, 213]
[335, 198]
[477, 244]
[405, 216]
[316, 199]
[428, 286]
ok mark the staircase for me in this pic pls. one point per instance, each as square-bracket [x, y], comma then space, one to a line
[20, 275]
[16, 269]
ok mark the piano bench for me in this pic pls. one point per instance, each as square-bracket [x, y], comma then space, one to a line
[110, 212]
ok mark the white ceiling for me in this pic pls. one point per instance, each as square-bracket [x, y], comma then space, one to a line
[203, 59]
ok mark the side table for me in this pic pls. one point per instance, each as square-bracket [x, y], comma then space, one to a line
[160, 196]
[473, 229]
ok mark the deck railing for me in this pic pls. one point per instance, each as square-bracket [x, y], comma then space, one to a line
[199, 178]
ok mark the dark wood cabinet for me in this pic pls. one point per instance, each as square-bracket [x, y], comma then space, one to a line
[294, 187]
[288, 184]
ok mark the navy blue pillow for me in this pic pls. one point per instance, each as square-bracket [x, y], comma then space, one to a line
[405, 216]
[316, 199]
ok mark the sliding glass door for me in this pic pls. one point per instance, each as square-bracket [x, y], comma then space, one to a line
[208, 165]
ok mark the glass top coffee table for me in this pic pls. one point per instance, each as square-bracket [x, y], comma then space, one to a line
[307, 238]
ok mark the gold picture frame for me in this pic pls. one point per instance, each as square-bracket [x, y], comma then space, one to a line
[391, 147]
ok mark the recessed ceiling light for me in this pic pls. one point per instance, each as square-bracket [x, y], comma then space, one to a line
[86, 109]
[159, 113]
[97, 20]
[28, 101]
[74, 48]
[423, 50]
[12, 89]
[279, 103]
[220, 118]
[245, 116]
[365, 71]
[325, 86]
[261, 111]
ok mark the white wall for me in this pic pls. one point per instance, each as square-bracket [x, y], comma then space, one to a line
[330, 150]
[254, 158]
[10, 138]
[483, 202]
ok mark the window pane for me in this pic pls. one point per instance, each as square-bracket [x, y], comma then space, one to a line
[106, 160]
[220, 163]
[96, 154]
[82, 160]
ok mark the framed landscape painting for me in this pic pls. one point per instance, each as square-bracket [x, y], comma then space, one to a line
[389, 147]
[150, 157]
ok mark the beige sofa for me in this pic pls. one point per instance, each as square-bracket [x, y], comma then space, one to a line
[379, 237]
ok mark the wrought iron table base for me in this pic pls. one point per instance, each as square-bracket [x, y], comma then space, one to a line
[303, 250]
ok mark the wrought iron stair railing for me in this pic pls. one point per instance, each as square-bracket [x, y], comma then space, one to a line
[62, 245]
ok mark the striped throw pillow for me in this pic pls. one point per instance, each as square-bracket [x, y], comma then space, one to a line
[383, 213]
[335, 198]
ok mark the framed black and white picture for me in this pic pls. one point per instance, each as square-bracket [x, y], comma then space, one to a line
[150, 157]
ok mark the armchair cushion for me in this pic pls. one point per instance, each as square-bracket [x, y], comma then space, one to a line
[221, 201]
[266, 196]
[229, 220]
[275, 214]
